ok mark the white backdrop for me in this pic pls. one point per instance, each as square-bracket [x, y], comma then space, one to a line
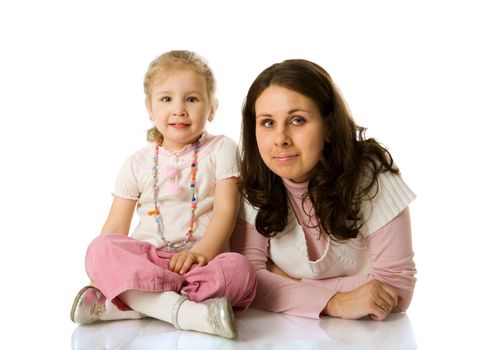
[416, 73]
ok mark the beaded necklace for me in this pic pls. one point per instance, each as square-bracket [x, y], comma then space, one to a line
[167, 245]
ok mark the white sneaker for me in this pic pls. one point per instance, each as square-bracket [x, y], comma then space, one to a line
[221, 317]
[88, 306]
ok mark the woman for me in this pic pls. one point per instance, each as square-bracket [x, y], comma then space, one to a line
[325, 220]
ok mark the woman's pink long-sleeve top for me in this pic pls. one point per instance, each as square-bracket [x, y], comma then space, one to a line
[386, 250]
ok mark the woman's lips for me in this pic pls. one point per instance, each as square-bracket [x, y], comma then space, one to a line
[284, 157]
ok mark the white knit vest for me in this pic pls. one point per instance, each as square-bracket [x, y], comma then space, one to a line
[289, 252]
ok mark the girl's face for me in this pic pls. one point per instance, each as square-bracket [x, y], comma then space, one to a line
[179, 107]
[290, 132]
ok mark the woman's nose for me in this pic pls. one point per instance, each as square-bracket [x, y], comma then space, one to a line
[281, 137]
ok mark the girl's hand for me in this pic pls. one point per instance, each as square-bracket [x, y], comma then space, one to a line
[183, 261]
[374, 298]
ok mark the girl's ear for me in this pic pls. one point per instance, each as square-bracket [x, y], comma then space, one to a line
[214, 107]
[148, 106]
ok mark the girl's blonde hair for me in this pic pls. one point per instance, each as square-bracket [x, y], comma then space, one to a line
[172, 61]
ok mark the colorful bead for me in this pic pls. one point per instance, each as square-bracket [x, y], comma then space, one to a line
[170, 246]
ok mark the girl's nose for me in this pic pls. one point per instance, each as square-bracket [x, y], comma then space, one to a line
[179, 109]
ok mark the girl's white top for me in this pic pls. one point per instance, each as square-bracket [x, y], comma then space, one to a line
[217, 160]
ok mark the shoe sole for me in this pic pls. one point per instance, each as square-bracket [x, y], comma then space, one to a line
[234, 332]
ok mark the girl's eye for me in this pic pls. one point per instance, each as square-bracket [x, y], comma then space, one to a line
[192, 99]
[298, 121]
[166, 99]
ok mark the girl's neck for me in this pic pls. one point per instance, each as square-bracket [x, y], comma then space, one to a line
[175, 149]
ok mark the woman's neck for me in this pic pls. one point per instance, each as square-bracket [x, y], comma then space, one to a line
[297, 189]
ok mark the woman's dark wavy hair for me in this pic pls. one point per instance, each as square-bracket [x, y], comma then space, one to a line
[347, 173]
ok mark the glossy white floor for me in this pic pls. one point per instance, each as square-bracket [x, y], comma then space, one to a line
[257, 330]
[414, 72]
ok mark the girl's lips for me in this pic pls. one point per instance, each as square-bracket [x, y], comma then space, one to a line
[179, 125]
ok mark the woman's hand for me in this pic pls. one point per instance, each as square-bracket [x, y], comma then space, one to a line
[275, 269]
[374, 298]
[183, 261]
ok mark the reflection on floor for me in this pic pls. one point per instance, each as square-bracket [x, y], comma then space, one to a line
[256, 330]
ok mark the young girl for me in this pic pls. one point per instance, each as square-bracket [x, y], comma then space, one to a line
[184, 188]
[326, 222]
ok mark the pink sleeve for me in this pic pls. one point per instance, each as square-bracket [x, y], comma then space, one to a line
[276, 293]
[390, 249]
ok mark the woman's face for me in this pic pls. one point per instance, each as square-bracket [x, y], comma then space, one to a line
[290, 132]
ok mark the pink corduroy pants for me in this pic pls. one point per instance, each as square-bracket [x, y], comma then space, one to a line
[117, 263]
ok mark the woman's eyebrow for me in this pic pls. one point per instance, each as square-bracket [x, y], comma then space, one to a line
[263, 115]
[294, 110]
[291, 111]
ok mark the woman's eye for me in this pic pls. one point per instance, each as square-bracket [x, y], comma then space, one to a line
[298, 121]
[192, 99]
[268, 123]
